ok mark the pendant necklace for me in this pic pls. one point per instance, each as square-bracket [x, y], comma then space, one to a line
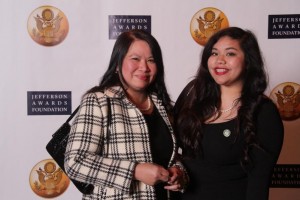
[148, 107]
[227, 132]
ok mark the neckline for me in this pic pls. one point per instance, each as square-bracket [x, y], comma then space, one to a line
[148, 107]
[150, 114]
[224, 122]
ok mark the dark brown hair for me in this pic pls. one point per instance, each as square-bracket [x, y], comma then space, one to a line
[202, 96]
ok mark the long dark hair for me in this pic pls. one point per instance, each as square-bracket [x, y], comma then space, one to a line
[120, 49]
[198, 101]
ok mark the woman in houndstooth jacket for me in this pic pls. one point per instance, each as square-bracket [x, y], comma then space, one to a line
[137, 158]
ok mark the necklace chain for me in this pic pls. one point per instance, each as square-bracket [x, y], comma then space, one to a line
[148, 107]
[226, 110]
[234, 103]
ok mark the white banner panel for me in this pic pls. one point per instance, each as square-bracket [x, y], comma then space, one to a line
[29, 63]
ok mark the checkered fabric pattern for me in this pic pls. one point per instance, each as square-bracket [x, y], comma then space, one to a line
[107, 160]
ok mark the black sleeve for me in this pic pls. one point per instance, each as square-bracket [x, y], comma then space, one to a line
[270, 132]
[181, 100]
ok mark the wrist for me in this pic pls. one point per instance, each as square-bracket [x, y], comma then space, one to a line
[185, 176]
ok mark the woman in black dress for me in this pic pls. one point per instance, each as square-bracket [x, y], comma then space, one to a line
[230, 132]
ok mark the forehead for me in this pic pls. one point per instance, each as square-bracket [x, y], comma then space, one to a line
[227, 42]
[139, 47]
[138, 44]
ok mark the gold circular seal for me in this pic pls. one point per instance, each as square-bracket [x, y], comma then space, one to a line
[287, 98]
[206, 22]
[47, 179]
[47, 25]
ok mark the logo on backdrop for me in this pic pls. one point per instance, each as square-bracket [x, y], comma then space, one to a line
[49, 103]
[284, 26]
[48, 26]
[47, 180]
[286, 176]
[287, 98]
[206, 22]
[120, 23]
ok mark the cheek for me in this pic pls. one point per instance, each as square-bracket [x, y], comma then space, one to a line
[126, 71]
[127, 68]
[210, 62]
[239, 66]
[153, 70]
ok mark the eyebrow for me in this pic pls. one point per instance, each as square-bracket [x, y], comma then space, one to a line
[229, 48]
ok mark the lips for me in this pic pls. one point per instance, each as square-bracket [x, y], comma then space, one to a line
[143, 77]
[221, 71]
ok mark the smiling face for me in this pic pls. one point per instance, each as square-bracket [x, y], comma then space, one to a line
[138, 67]
[226, 62]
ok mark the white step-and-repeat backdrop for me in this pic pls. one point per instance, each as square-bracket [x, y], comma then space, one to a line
[53, 51]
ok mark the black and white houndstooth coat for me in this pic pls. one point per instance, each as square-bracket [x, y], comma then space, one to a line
[107, 160]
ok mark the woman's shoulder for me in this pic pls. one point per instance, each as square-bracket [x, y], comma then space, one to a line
[95, 98]
[186, 93]
[267, 104]
[188, 88]
[268, 111]
[110, 92]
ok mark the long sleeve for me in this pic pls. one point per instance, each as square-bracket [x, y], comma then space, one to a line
[270, 137]
[83, 160]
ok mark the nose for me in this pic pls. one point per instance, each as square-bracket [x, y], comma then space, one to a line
[144, 65]
[221, 59]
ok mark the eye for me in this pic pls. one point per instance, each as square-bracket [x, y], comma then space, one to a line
[151, 60]
[135, 58]
[213, 53]
[230, 54]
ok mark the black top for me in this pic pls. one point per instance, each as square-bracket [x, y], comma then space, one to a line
[218, 175]
[161, 146]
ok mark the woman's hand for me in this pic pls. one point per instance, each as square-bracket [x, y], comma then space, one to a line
[176, 181]
[150, 173]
